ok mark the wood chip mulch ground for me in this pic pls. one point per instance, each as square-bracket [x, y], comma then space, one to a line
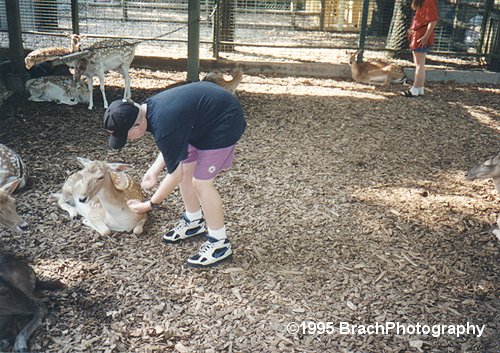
[346, 203]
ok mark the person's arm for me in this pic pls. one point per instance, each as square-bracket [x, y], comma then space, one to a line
[167, 186]
[425, 38]
[150, 179]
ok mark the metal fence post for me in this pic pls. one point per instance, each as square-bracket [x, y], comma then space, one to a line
[15, 81]
[74, 17]
[488, 6]
[193, 62]
[227, 24]
[124, 10]
[362, 32]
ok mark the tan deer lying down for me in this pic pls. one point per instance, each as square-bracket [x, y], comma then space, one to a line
[18, 302]
[106, 55]
[49, 54]
[376, 72]
[59, 89]
[490, 168]
[218, 77]
[99, 193]
[8, 213]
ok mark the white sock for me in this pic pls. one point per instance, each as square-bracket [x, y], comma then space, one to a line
[194, 216]
[421, 91]
[415, 91]
[218, 234]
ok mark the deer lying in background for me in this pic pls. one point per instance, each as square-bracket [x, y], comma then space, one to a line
[4, 93]
[99, 193]
[375, 72]
[60, 89]
[49, 54]
[8, 214]
[218, 77]
[12, 167]
[18, 302]
[106, 55]
[486, 170]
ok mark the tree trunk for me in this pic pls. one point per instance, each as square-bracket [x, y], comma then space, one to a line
[397, 39]
[381, 20]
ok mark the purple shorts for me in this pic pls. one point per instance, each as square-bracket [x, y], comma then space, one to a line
[209, 163]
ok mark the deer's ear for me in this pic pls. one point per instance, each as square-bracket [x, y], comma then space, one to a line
[82, 36]
[10, 187]
[83, 161]
[118, 167]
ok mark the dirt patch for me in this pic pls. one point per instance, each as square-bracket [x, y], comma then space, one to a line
[347, 203]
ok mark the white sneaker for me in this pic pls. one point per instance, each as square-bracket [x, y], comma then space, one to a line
[211, 253]
[185, 229]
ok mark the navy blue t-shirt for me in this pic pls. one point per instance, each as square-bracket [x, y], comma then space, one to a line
[202, 114]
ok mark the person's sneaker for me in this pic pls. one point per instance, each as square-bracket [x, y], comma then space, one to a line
[185, 229]
[211, 253]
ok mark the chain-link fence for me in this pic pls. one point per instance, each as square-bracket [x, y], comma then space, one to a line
[265, 30]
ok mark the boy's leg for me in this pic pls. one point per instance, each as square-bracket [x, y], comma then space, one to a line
[217, 248]
[209, 164]
[211, 203]
[186, 187]
[192, 222]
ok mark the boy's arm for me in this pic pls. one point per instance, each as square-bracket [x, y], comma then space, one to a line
[151, 177]
[167, 186]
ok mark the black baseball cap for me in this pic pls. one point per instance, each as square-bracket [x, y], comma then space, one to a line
[119, 118]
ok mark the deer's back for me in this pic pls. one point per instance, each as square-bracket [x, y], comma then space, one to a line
[112, 49]
[17, 273]
[11, 167]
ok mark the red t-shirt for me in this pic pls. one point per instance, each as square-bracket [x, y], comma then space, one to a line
[427, 13]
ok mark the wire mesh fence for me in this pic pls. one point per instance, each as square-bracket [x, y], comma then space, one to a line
[265, 30]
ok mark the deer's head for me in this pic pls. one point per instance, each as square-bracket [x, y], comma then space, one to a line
[8, 214]
[95, 176]
[487, 169]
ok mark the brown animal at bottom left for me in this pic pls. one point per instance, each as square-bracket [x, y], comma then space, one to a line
[21, 311]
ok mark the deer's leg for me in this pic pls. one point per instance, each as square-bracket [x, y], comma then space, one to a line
[97, 225]
[90, 85]
[73, 213]
[21, 344]
[101, 86]
[97, 222]
[139, 227]
[126, 78]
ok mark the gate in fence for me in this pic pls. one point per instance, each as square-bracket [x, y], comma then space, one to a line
[264, 30]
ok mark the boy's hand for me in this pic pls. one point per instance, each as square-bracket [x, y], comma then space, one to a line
[149, 180]
[138, 206]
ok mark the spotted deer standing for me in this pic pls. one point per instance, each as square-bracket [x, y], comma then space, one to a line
[375, 72]
[13, 176]
[99, 193]
[53, 53]
[490, 168]
[106, 55]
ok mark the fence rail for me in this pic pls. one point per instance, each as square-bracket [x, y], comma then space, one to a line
[466, 29]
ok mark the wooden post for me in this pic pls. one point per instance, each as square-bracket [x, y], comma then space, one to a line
[74, 17]
[193, 62]
[15, 79]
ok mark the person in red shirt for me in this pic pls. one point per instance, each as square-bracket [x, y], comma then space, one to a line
[421, 38]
